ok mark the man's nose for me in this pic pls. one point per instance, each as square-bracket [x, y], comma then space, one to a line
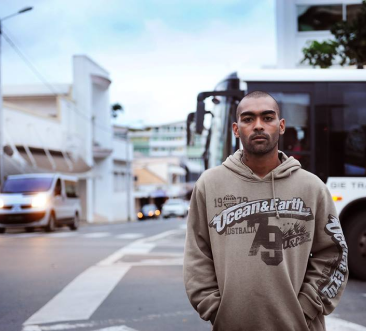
[258, 125]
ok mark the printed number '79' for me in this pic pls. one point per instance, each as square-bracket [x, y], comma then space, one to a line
[270, 237]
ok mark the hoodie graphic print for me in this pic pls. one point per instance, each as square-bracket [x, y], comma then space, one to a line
[263, 254]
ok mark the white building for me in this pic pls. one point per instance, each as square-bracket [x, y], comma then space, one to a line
[299, 21]
[164, 166]
[68, 128]
[170, 140]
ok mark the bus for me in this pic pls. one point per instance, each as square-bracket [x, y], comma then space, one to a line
[325, 113]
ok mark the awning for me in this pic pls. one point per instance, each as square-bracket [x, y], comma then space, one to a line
[158, 194]
[195, 167]
[55, 161]
[176, 170]
[101, 153]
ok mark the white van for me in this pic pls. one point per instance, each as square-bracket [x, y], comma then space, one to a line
[39, 200]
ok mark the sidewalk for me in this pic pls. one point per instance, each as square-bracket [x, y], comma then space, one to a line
[337, 324]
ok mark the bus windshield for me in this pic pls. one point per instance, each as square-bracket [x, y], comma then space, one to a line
[26, 185]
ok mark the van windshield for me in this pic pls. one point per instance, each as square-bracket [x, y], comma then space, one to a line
[26, 185]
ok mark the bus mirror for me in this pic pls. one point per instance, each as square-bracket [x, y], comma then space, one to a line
[190, 129]
[200, 116]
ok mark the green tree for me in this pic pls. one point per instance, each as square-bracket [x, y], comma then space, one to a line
[116, 108]
[349, 44]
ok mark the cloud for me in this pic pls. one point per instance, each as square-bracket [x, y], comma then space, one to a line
[160, 53]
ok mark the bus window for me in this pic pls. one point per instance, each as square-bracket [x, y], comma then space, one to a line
[347, 132]
[296, 140]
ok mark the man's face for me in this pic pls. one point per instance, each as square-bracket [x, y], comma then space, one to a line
[258, 126]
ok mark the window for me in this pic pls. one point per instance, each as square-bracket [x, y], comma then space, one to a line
[119, 181]
[58, 187]
[70, 188]
[318, 18]
[296, 140]
[27, 185]
[347, 133]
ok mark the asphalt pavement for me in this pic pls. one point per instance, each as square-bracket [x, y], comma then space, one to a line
[118, 277]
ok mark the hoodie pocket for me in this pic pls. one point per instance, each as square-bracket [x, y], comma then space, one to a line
[317, 324]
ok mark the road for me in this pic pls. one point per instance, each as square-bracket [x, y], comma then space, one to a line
[119, 277]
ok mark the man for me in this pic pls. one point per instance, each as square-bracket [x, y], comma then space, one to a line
[264, 248]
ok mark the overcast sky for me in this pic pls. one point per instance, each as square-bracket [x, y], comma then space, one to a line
[160, 53]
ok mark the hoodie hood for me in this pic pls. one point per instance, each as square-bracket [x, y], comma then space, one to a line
[287, 166]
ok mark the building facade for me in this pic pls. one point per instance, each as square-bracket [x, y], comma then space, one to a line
[68, 129]
[299, 21]
[164, 166]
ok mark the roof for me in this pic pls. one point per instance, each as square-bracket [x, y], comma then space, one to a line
[303, 75]
[43, 175]
[145, 176]
[35, 90]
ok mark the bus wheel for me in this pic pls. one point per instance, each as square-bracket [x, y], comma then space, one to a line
[355, 233]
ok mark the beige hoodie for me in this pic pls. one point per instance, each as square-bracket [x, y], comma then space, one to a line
[263, 254]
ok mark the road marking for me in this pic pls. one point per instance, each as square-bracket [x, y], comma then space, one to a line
[117, 328]
[96, 235]
[164, 262]
[337, 324]
[24, 235]
[141, 246]
[130, 236]
[57, 327]
[62, 235]
[69, 326]
[82, 297]
[79, 299]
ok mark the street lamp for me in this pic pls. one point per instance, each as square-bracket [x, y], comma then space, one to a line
[1, 99]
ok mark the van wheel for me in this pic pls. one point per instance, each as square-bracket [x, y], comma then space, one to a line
[75, 225]
[50, 227]
[355, 233]
[2, 230]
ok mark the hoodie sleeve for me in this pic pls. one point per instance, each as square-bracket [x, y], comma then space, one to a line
[327, 270]
[199, 271]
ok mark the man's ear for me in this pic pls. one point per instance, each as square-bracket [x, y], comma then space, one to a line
[236, 130]
[282, 126]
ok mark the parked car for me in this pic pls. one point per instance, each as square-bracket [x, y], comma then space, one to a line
[175, 207]
[39, 200]
[149, 211]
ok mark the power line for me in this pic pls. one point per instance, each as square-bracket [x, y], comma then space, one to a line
[46, 83]
[28, 63]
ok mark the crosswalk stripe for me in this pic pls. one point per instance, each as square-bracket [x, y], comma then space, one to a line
[24, 235]
[96, 235]
[62, 235]
[117, 328]
[130, 236]
[82, 297]
[79, 299]
[337, 324]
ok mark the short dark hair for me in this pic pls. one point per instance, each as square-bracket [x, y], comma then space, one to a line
[256, 95]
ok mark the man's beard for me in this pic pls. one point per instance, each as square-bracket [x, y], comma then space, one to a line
[266, 146]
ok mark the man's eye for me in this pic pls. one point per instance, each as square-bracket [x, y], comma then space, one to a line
[247, 119]
[268, 118]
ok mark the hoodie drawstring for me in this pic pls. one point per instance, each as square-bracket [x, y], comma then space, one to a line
[274, 196]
